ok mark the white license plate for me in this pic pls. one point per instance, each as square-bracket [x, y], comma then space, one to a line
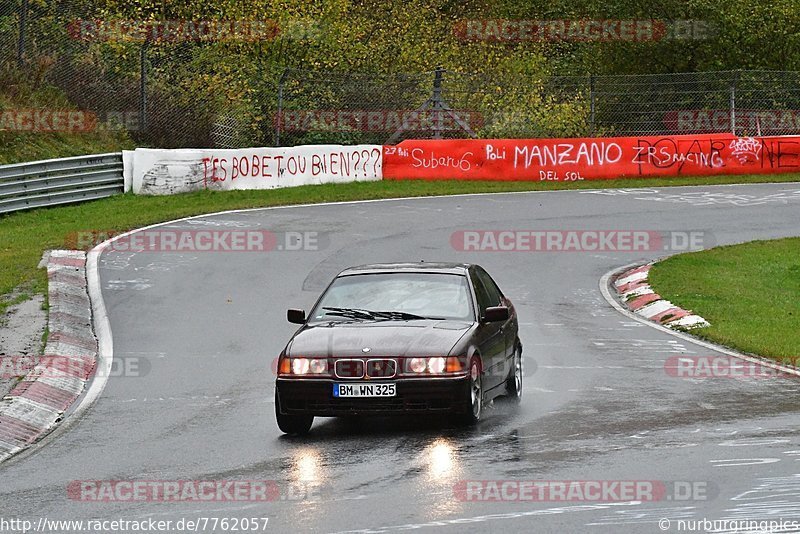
[364, 390]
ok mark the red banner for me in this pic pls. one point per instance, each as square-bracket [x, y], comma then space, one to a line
[564, 160]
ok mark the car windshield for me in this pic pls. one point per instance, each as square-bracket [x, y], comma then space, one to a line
[396, 296]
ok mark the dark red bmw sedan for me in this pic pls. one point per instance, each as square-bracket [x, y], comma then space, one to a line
[400, 338]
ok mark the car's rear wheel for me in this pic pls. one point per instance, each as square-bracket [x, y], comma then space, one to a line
[514, 380]
[292, 424]
[473, 403]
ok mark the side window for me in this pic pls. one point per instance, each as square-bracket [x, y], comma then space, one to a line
[494, 294]
[481, 295]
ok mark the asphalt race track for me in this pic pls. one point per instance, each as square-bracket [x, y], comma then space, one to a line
[203, 329]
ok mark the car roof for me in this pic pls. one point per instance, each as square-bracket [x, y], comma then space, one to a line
[408, 267]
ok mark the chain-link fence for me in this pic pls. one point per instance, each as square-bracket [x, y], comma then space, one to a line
[327, 108]
[170, 84]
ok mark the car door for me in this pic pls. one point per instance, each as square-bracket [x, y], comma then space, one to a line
[489, 337]
[510, 327]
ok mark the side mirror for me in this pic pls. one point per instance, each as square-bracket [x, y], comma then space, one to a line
[495, 314]
[296, 316]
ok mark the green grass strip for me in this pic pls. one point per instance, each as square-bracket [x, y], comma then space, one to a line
[750, 293]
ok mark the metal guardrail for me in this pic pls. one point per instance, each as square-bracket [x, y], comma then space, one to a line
[60, 181]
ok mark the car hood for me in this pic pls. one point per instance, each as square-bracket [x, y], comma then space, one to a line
[383, 338]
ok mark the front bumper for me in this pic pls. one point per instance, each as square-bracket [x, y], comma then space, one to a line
[418, 395]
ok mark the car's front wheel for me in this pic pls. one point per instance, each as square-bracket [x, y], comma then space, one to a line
[292, 424]
[473, 403]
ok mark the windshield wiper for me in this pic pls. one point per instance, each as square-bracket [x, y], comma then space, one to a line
[399, 315]
[352, 313]
[361, 313]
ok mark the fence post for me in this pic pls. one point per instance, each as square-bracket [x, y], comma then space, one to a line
[23, 21]
[437, 102]
[591, 105]
[437, 105]
[279, 118]
[143, 88]
[732, 101]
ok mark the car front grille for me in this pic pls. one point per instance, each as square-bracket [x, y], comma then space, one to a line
[371, 368]
[349, 368]
[381, 368]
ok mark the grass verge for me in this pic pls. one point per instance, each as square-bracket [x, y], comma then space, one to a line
[749, 293]
[17, 93]
[25, 235]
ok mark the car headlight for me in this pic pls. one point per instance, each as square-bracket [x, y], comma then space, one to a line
[417, 365]
[318, 366]
[436, 365]
[300, 366]
[303, 366]
[433, 365]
